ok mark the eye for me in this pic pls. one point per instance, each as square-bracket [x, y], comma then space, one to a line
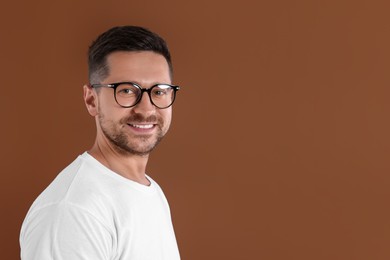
[159, 92]
[127, 90]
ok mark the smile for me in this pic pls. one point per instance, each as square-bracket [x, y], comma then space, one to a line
[142, 126]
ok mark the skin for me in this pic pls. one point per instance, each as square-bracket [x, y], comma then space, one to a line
[119, 144]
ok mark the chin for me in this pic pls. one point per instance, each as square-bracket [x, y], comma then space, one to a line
[137, 149]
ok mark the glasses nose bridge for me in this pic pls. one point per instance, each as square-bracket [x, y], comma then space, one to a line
[148, 91]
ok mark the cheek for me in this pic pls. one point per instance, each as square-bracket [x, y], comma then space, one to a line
[106, 100]
[166, 115]
[111, 114]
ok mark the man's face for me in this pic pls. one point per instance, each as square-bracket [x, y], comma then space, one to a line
[135, 130]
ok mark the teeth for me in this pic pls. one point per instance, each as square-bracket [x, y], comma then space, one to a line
[142, 126]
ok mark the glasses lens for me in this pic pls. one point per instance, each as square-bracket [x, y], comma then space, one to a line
[127, 94]
[162, 95]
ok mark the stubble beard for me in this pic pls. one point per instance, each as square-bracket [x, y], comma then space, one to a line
[131, 145]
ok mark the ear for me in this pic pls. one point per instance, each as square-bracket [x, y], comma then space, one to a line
[90, 100]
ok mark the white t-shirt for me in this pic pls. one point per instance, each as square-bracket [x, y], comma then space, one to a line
[90, 212]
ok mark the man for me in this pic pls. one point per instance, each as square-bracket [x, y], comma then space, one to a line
[103, 205]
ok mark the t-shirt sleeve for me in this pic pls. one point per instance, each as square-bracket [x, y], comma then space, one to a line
[64, 232]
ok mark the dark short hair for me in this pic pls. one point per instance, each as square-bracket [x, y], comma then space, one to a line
[123, 38]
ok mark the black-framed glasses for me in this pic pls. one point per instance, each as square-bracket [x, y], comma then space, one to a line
[129, 94]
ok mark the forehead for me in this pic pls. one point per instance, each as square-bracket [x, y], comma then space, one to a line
[141, 67]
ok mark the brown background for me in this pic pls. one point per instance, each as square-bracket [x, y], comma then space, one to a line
[280, 142]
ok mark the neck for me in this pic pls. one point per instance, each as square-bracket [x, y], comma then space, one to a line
[129, 166]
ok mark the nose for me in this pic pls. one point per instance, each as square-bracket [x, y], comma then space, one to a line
[144, 106]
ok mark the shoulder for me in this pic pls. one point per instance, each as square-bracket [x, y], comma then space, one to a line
[79, 188]
[65, 230]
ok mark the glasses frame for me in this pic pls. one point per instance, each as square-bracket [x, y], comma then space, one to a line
[147, 90]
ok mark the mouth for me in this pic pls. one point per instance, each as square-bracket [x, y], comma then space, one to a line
[139, 128]
[148, 126]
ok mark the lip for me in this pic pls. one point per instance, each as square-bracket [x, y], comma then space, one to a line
[142, 128]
